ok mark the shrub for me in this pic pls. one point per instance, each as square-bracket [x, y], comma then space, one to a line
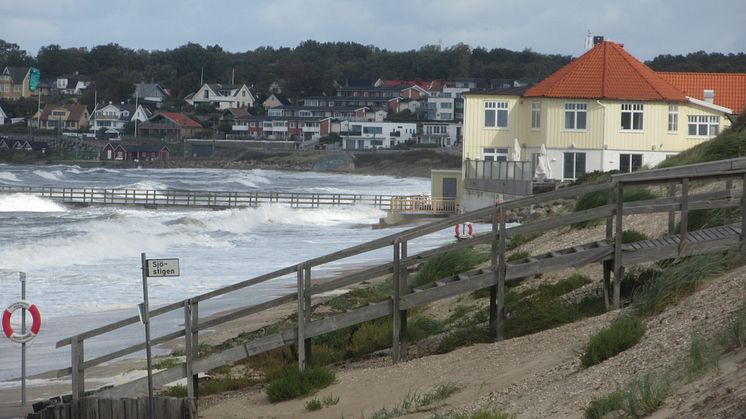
[299, 383]
[447, 265]
[638, 399]
[702, 357]
[422, 327]
[733, 334]
[636, 277]
[623, 333]
[729, 144]
[632, 236]
[371, 336]
[463, 337]
[359, 296]
[517, 256]
[313, 404]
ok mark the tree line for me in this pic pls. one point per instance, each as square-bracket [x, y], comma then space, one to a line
[310, 68]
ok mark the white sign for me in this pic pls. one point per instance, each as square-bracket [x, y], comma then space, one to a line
[163, 267]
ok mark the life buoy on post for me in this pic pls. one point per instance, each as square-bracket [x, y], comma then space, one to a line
[466, 232]
[35, 325]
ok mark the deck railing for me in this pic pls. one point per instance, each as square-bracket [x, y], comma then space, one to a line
[607, 250]
[186, 198]
[423, 205]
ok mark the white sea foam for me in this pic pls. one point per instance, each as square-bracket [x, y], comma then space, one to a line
[249, 179]
[11, 177]
[53, 175]
[146, 185]
[28, 203]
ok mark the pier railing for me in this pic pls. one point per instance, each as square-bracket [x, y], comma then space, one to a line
[423, 205]
[672, 196]
[187, 198]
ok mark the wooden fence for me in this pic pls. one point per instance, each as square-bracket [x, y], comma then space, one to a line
[607, 250]
[209, 199]
[139, 408]
[423, 205]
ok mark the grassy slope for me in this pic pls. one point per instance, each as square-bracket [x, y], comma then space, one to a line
[729, 144]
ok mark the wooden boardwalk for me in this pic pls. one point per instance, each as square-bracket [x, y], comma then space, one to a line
[671, 187]
[197, 199]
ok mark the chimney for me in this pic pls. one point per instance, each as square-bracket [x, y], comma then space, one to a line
[597, 40]
[709, 95]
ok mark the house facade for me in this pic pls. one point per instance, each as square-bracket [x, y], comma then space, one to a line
[171, 125]
[62, 118]
[3, 116]
[73, 84]
[369, 135]
[222, 96]
[134, 152]
[603, 111]
[150, 93]
[113, 118]
[15, 82]
[276, 99]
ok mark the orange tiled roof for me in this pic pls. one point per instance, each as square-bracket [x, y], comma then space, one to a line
[606, 72]
[730, 88]
[180, 119]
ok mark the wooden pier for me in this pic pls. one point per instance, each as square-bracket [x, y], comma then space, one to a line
[672, 185]
[196, 199]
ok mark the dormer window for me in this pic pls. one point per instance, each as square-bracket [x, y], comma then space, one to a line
[206, 94]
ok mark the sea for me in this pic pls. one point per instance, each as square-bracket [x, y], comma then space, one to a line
[83, 263]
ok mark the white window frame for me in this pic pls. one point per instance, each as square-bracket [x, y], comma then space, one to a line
[575, 109]
[498, 108]
[630, 157]
[535, 116]
[636, 117]
[710, 123]
[495, 154]
[574, 164]
[673, 118]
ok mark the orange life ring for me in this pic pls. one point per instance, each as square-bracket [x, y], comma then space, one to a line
[469, 231]
[35, 325]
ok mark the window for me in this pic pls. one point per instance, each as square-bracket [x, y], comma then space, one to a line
[446, 105]
[446, 115]
[632, 116]
[495, 154]
[576, 116]
[703, 125]
[495, 114]
[206, 94]
[373, 130]
[574, 165]
[536, 115]
[292, 125]
[376, 142]
[673, 118]
[629, 163]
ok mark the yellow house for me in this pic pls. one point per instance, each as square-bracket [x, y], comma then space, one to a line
[603, 111]
[14, 82]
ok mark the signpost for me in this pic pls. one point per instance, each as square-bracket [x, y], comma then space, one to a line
[154, 268]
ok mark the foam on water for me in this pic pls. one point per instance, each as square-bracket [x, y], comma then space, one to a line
[53, 175]
[28, 203]
[146, 185]
[11, 177]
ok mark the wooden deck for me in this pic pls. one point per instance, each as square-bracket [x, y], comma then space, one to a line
[672, 197]
[197, 199]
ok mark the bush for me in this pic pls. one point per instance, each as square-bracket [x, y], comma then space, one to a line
[632, 236]
[371, 336]
[422, 327]
[299, 383]
[733, 334]
[463, 337]
[623, 333]
[313, 404]
[638, 399]
[702, 357]
[447, 265]
[517, 256]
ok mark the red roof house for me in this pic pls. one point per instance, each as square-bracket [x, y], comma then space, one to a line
[728, 89]
[169, 125]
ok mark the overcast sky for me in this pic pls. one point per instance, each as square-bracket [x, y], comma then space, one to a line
[646, 27]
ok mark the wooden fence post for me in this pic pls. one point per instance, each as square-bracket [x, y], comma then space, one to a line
[607, 267]
[307, 303]
[301, 338]
[728, 212]
[403, 289]
[188, 348]
[78, 373]
[501, 278]
[684, 223]
[618, 269]
[396, 319]
[195, 345]
[495, 275]
[672, 213]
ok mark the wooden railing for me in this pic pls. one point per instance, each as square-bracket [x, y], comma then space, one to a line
[186, 198]
[607, 250]
[422, 205]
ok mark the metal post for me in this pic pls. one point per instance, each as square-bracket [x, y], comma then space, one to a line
[502, 269]
[618, 269]
[188, 348]
[301, 339]
[403, 289]
[146, 321]
[22, 277]
[684, 227]
[496, 277]
[307, 307]
[396, 327]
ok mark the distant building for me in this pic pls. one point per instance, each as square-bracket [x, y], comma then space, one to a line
[3, 116]
[276, 99]
[150, 94]
[174, 125]
[222, 96]
[14, 82]
[134, 152]
[369, 135]
[62, 118]
[74, 84]
[113, 118]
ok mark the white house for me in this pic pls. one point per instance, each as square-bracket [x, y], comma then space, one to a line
[222, 96]
[113, 118]
[441, 133]
[72, 84]
[372, 134]
[3, 116]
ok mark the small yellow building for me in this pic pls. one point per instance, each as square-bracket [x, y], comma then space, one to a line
[603, 111]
